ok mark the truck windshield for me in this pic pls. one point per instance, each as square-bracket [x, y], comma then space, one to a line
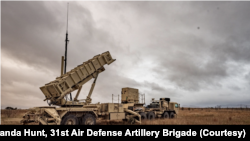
[176, 106]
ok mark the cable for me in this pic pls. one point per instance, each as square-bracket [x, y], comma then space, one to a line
[48, 102]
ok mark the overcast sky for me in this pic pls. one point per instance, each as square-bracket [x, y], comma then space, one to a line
[196, 53]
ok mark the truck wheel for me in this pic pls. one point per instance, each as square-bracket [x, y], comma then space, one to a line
[88, 119]
[70, 120]
[151, 115]
[165, 115]
[143, 116]
[171, 115]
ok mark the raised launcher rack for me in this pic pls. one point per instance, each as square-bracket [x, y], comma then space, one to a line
[74, 79]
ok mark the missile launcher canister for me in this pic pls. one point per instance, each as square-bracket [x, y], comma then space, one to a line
[75, 78]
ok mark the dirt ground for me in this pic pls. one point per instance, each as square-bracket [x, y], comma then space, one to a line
[187, 116]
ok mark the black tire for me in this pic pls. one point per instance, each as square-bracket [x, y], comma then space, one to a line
[171, 115]
[165, 115]
[88, 119]
[80, 120]
[70, 120]
[151, 116]
[143, 116]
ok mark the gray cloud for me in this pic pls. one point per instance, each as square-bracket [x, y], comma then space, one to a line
[195, 58]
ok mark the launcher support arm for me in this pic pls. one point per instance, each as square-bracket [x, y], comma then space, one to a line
[88, 99]
[78, 92]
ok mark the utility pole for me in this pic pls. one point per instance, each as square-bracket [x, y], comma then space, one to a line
[112, 98]
[66, 45]
[141, 98]
[144, 98]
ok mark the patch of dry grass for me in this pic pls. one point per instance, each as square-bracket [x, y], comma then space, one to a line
[12, 117]
[206, 117]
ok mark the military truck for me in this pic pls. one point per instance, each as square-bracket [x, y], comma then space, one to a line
[161, 108]
[74, 112]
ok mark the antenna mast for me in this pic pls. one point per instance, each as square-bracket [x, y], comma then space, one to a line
[66, 45]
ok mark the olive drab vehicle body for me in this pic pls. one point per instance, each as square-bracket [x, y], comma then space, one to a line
[84, 112]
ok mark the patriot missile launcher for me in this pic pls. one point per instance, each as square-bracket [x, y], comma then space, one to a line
[76, 111]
